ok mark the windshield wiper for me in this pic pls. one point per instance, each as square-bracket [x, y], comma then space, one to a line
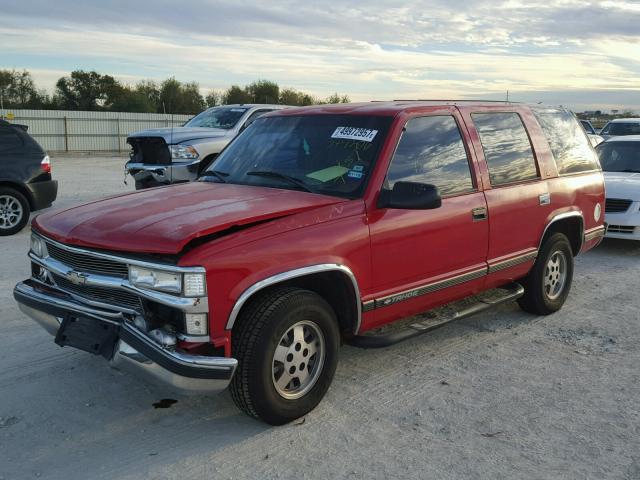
[629, 170]
[215, 173]
[283, 176]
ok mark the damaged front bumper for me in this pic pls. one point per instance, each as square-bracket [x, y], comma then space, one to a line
[152, 175]
[132, 350]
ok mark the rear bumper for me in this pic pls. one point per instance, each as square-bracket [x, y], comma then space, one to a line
[150, 175]
[43, 193]
[134, 352]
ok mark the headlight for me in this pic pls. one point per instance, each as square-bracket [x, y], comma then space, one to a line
[183, 152]
[155, 279]
[173, 282]
[37, 246]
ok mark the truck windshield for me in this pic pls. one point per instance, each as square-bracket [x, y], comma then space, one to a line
[328, 154]
[218, 117]
[619, 156]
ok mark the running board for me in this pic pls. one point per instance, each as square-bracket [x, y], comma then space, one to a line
[484, 301]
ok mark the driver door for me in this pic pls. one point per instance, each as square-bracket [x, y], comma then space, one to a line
[423, 258]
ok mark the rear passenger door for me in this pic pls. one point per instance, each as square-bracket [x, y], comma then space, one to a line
[423, 258]
[517, 196]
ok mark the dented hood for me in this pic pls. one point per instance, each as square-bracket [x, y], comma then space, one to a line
[163, 220]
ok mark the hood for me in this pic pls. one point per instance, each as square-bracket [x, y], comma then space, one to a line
[176, 135]
[622, 185]
[164, 220]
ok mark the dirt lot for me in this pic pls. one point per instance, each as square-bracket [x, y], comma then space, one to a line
[503, 395]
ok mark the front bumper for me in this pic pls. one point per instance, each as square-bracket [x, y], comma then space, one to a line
[624, 225]
[134, 352]
[151, 175]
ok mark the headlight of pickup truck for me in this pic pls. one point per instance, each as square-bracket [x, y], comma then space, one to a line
[37, 246]
[183, 152]
[167, 281]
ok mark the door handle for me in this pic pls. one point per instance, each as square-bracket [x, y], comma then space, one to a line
[479, 214]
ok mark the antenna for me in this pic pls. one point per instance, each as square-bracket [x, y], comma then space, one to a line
[507, 96]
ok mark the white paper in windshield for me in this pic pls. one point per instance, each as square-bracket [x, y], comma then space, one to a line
[354, 133]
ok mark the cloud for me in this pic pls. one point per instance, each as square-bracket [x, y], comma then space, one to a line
[379, 50]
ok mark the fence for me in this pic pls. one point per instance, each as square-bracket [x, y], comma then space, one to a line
[69, 131]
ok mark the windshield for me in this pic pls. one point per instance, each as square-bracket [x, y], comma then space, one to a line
[619, 156]
[328, 154]
[627, 128]
[218, 117]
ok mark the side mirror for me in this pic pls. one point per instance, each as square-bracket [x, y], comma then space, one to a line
[410, 196]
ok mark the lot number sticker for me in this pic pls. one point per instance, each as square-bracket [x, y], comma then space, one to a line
[353, 133]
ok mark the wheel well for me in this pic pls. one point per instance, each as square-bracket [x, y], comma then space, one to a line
[334, 287]
[20, 188]
[572, 228]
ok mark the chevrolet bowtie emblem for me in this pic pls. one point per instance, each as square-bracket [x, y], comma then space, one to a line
[77, 278]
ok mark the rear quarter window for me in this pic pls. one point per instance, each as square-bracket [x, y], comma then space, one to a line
[506, 146]
[569, 144]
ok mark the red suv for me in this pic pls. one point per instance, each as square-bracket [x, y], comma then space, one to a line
[313, 228]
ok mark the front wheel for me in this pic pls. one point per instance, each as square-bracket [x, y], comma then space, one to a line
[286, 343]
[549, 281]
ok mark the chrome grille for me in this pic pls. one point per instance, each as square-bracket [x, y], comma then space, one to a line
[87, 263]
[616, 205]
[111, 296]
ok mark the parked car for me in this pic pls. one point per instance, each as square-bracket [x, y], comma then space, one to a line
[163, 156]
[25, 178]
[621, 127]
[620, 160]
[594, 138]
[314, 227]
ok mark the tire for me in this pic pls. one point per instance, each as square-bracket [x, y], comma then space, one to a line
[14, 211]
[286, 324]
[548, 284]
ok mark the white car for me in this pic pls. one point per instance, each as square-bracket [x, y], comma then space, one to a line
[620, 160]
[621, 127]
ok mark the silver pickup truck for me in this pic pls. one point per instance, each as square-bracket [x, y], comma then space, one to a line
[163, 156]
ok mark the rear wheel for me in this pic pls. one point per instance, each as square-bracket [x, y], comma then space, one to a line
[14, 211]
[549, 281]
[286, 343]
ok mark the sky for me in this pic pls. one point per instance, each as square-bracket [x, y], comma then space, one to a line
[585, 55]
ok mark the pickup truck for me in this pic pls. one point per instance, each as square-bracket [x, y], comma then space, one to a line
[314, 228]
[162, 156]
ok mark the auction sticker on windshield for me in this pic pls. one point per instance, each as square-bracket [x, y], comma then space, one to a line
[353, 133]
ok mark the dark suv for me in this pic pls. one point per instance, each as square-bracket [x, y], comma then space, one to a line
[25, 178]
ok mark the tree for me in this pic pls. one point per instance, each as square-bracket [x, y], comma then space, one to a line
[87, 91]
[290, 96]
[263, 91]
[214, 98]
[149, 89]
[18, 90]
[235, 94]
[335, 98]
[176, 97]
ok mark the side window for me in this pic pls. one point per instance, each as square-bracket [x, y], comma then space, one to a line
[431, 150]
[570, 146]
[9, 139]
[506, 147]
[605, 129]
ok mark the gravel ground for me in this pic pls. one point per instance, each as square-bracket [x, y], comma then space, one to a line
[502, 395]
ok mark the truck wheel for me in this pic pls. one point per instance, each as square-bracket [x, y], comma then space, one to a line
[14, 211]
[547, 286]
[286, 343]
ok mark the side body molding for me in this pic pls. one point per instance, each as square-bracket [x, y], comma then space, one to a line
[298, 272]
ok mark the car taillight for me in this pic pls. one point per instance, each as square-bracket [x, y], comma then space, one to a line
[45, 164]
